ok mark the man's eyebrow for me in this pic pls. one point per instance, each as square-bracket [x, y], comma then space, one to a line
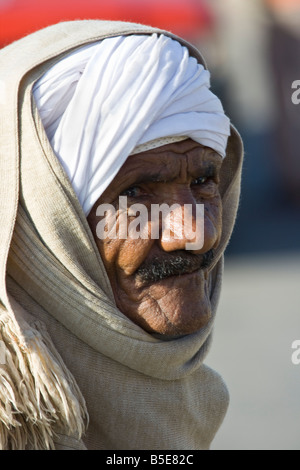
[211, 169]
[152, 178]
[208, 169]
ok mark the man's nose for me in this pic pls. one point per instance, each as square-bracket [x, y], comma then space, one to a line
[184, 226]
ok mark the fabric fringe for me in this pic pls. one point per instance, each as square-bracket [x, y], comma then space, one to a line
[38, 395]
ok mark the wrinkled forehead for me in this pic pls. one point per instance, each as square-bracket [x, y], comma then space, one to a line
[171, 154]
[166, 163]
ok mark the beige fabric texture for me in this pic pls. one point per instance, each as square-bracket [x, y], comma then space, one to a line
[75, 373]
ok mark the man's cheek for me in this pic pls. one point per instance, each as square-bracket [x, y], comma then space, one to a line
[212, 225]
[109, 252]
[131, 253]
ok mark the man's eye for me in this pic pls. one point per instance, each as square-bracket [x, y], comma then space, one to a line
[133, 191]
[200, 180]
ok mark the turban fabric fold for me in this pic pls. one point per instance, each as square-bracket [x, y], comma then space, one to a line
[122, 95]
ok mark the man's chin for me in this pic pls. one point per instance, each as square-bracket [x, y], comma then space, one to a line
[185, 323]
[172, 307]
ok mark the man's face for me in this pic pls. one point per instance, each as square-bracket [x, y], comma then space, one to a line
[157, 283]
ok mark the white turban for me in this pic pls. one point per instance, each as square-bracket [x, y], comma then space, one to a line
[100, 103]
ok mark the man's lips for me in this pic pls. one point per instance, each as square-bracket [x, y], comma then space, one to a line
[173, 264]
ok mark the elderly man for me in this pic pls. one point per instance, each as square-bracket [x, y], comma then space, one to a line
[104, 337]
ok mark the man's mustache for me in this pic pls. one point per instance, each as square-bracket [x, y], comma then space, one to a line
[159, 268]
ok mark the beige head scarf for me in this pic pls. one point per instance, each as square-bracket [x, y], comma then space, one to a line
[74, 371]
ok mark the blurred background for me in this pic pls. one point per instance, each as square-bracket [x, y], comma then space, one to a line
[252, 48]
